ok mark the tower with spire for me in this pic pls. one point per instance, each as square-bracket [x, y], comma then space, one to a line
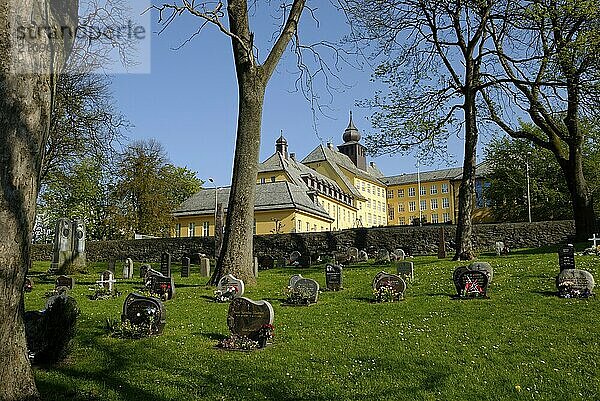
[351, 146]
[281, 146]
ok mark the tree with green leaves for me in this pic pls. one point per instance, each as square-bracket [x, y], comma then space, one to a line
[434, 55]
[548, 58]
[148, 188]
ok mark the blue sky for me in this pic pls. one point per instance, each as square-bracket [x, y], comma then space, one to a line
[188, 101]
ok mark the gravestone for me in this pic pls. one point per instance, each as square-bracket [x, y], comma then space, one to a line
[144, 270]
[185, 267]
[342, 258]
[400, 254]
[293, 279]
[405, 269]
[472, 284]
[28, 284]
[293, 259]
[455, 276]
[128, 269]
[229, 281]
[205, 267]
[162, 286]
[141, 311]
[575, 283]
[500, 248]
[442, 244]
[305, 290]
[304, 261]
[566, 257]
[255, 267]
[165, 264]
[65, 281]
[353, 253]
[383, 256]
[390, 281]
[333, 277]
[151, 272]
[266, 262]
[484, 267]
[363, 256]
[107, 280]
[69, 245]
[246, 317]
[196, 257]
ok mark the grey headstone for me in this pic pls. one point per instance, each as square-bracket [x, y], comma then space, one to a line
[144, 311]
[575, 283]
[363, 256]
[383, 256]
[128, 268]
[255, 267]
[353, 253]
[144, 270]
[294, 256]
[230, 281]
[266, 262]
[484, 267]
[107, 280]
[333, 277]
[293, 280]
[64, 281]
[400, 254]
[396, 283]
[246, 317]
[205, 267]
[308, 288]
[405, 269]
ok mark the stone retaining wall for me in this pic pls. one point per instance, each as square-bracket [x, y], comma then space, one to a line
[415, 240]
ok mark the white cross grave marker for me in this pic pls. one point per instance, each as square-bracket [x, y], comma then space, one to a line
[595, 239]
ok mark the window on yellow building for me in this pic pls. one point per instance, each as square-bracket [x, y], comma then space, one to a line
[205, 227]
[412, 206]
[400, 207]
[401, 193]
[314, 227]
[299, 225]
[307, 226]
[273, 179]
[423, 205]
[434, 218]
[434, 204]
[446, 217]
[411, 191]
[445, 203]
[263, 180]
[369, 219]
[178, 230]
[191, 229]
[423, 190]
[390, 194]
[390, 214]
[401, 221]
[445, 188]
[433, 190]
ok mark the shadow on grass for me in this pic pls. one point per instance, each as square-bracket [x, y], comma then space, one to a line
[552, 294]
[213, 336]
[180, 285]
[363, 299]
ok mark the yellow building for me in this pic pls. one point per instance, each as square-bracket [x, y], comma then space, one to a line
[332, 189]
[431, 196]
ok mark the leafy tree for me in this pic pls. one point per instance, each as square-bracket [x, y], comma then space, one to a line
[435, 53]
[549, 69]
[27, 88]
[148, 188]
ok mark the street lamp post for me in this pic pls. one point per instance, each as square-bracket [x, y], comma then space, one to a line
[528, 186]
[216, 201]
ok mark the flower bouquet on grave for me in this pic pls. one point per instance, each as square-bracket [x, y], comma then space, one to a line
[236, 342]
[144, 326]
[227, 295]
[265, 335]
[566, 290]
[297, 296]
[472, 289]
[386, 293]
[162, 292]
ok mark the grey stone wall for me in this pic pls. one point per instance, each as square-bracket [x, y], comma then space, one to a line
[415, 240]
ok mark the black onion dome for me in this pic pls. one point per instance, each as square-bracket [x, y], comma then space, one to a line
[351, 134]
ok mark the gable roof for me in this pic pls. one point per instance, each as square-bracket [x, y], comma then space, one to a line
[450, 174]
[269, 196]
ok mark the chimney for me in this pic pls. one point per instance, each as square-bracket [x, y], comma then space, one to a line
[372, 164]
[293, 156]
[329, 145]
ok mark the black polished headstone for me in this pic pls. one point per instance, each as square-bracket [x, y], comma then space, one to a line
[333, 277]
[144, 311]
[165, 264]
[185, 267]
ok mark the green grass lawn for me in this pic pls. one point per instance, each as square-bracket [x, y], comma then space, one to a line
[521, 343]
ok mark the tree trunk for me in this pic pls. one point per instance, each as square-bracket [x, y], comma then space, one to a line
[237, 250]
[25, 108]
[581, 199]
[464, 227]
